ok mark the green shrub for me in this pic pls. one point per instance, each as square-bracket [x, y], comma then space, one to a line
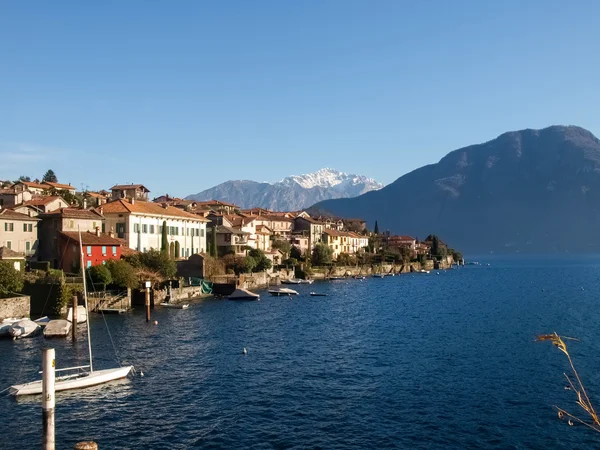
[11, 280]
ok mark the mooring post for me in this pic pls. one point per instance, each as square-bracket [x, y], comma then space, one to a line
[48, 378]
[74, 319]
[147, 301]
[86, 446]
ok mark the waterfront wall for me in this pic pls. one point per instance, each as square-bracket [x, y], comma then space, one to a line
[16, 307]
[320, 273]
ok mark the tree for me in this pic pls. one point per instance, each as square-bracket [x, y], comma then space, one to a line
[213, 238]
[321, 255]
[164, 242]
[262, 262]
[295, 252]
[100, 274]
[284, 246]
[376, 229]
[123, 274]
[23, 178]
[50, 176]
[344, 259]
[11, 280]
[158, 262]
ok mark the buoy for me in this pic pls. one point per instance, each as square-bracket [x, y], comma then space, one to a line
[582, 288]
[570, 422]
[156, 322]
[244, 351]
[561, 415]
[141, 373]
[567, 388]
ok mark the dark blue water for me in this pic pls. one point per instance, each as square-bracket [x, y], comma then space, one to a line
[416, 361]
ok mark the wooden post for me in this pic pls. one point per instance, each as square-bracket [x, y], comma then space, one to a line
[147, 303]
[86, 446]
[48, 378]
[74, 319]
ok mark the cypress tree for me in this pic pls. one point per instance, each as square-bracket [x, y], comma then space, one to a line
[213, 248]
[164, 244]
[376, 229]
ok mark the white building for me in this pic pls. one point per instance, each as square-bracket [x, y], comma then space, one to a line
[140, 223]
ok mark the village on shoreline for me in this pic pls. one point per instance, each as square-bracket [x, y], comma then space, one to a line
[184, 248]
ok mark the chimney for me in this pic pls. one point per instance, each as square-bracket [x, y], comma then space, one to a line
[84, 203]
[132, 200]
[101, 211]
[111, 233]
[98, 231]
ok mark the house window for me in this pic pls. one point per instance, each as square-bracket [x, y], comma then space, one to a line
[89, 264]
[187, 232]
[121, 230]
[27, 245]
[103, 227]
[114, 250]
[151, 229]
[202, 232]
[144, 228]
[89, 250]
[104, 250]
[93, 225]
[30, 227]
[176, 231]
[144, 250]
[24, 227]
[9, 226]
[8, 244]
[136, 227]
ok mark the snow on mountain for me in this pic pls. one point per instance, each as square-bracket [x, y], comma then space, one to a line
[291, 193]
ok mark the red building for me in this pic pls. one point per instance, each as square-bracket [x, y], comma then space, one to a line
[97, 249]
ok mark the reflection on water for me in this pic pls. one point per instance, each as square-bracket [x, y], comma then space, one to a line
[415, 361]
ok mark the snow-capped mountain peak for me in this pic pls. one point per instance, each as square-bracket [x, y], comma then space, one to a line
[327, 178]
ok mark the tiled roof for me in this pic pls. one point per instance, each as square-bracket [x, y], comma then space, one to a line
[75, 213]
[33, 185]
[216, 202]
[42, 201]
[149, 208]
[13, 215]
[310, 220]
[238, 221]
[130, 186]
[8, 191]
[401, 238]
[7, 253]
[91, 238]
[224, 230]
[59, 186]
[95, 195]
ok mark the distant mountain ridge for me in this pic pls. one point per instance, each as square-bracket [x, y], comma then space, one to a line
[291, 193]
[525, 191]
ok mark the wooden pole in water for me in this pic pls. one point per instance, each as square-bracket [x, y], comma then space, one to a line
[48, 379]
[74, 319]
[147, 303]
[86, 446]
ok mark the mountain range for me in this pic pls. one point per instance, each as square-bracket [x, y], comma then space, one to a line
[525, 191]
[292, 193]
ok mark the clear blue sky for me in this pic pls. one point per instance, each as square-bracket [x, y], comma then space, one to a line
[183, 95]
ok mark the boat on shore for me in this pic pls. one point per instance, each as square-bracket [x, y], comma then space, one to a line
[243, 294]
[282, 291]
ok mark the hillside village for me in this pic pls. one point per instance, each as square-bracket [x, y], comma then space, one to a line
[41, 222]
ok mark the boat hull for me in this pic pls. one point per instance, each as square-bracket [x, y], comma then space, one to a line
[175, 305]
[90, 379]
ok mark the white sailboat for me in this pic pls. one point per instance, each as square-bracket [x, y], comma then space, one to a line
[83, 376]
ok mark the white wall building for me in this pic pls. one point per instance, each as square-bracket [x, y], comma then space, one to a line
[140, 224]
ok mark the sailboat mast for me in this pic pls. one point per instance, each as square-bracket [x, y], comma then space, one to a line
[87, 315]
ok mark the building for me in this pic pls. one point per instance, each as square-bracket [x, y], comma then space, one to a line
[279, 225]
[301, 242]
[59, 187]
[97, 249]
[217, 206]
[310, 227]
[140, 223]
[47, 204]
[61, 221]
[12, 197]
[344, 242]
[19, 232]
[95, 199]
[33, 188]
[263, 238]
[128, 191]
[10, 256]
[231, 240]
[398, 242]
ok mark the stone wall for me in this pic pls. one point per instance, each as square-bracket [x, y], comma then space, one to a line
[15, 307]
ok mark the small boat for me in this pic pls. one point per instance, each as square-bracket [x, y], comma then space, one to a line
[57, 328]
[423, 271]
[317, 294]
[23, 328]
[243, 294]
[292, 281]
[282, 291]
[5, 326]
[42, 321]
[175, 305]
[305, 281]
[378, 275]
[336, 278]
[81, 314]
[359, 277]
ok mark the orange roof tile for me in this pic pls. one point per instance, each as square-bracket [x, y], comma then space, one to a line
[91, 238]
[59, 186]
[149, 208]
[13, 215]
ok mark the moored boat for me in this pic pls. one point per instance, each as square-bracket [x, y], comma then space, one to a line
[57, 328]
[317, 294]
[292, 281]
[243, 294]
[23, 328]
[282, 291]
[175, 305]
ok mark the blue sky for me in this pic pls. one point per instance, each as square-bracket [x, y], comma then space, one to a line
[183, 95]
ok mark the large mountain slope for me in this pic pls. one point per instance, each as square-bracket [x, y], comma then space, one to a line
[526, 191]
[292, 193]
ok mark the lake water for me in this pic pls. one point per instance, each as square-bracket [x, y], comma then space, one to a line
[414, 361]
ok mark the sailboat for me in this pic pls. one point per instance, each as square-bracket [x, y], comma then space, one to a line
[81, 376]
